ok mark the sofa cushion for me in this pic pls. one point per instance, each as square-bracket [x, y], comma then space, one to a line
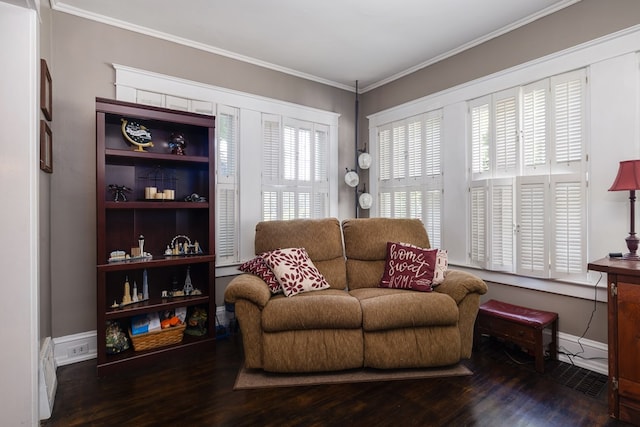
[295, 271]
[326, 309]
[321, 238]
[365, 245]
[401, 308]
[411, 267]
[258, 267]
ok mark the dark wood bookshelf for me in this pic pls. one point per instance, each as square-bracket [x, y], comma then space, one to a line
[160, 221]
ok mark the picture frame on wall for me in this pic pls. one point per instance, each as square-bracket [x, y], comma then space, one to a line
[46, 147]
[46, 90]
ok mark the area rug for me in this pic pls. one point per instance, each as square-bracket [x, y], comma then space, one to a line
[255, 378]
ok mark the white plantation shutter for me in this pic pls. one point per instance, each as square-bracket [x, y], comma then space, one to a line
[288, 205]
[410, 171]
[384, 153]
[227, 143]
[295, 181]
[304, 205]
[303, 159]
[270, 206]
[384, 201]
[534, 126]
[415, 204]
[320, 204]
[432, 216]
[400, 204]
[502, 224]
[478, 241]
[320, 201]
[568, 209]
[226, 186]
[320, 151]
[506, 133]
[289, 151]
[433, 149]
[398, 150]
[567, 96]
[271, 156]
[480, 118]
[532, 229]
[226, 220]
[414, 148]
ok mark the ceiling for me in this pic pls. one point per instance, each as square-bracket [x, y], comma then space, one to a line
[335, 42]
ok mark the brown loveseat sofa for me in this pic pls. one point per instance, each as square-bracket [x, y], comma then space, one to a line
[354, 323]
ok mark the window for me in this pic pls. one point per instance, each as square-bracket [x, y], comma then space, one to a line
[227, 183]
[294, 164]
[528, 185]
[410, 171]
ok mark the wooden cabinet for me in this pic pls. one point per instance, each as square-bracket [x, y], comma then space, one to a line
[623, 278]
[182, 216]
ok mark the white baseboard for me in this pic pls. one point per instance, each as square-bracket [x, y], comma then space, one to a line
[47, 379]
[591, 355]
[75, 348]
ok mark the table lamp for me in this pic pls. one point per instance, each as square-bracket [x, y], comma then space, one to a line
[629, 179]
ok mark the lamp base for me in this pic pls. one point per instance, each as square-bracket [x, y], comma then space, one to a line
[632, 244]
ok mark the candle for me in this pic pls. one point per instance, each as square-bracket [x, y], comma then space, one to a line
[150, 192]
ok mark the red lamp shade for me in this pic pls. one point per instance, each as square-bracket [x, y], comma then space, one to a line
[628, 176]
[629, 179]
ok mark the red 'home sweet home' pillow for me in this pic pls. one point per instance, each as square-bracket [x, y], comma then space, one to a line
[410, 267]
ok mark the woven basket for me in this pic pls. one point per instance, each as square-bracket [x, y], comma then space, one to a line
[154, 339]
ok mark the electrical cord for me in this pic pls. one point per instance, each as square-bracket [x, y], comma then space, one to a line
[570, 355]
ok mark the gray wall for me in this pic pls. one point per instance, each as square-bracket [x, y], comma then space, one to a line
[81, 55]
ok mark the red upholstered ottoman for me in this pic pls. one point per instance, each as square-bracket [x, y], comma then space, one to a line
[519, 325]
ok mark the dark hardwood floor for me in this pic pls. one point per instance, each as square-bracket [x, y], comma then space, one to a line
[198, 391]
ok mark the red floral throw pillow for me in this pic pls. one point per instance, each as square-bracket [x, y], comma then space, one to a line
[295, 271]
[258, 267]
[410, 267]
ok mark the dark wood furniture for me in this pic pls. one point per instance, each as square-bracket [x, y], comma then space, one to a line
[120, 223]
[623, 306]
[520, 325]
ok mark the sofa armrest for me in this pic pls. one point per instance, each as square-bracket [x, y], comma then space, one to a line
[458, 284]
[465, 289]
[248, 287]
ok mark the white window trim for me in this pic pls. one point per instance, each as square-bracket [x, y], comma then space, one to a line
[129, 80]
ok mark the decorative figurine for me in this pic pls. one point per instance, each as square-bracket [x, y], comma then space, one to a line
[145, 285]
[188, 287]
[117, 340]
[135, 292]
[197, 322]
[118, 192]
[177, 143]
[136, 134]
[195, 197]
[126, 298]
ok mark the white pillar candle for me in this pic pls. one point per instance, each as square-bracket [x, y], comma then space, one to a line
[150, 192]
